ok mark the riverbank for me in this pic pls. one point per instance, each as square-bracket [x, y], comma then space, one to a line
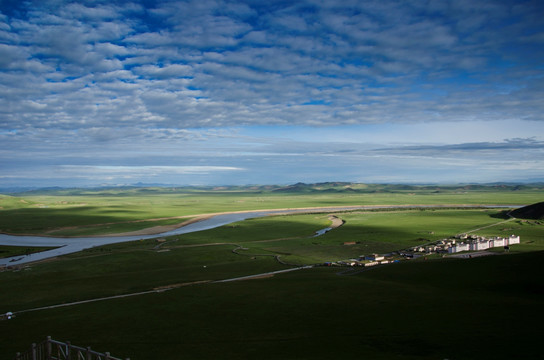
[161, 229]
[67, 245]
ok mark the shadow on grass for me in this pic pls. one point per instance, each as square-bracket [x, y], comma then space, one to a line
[37, 220]
[501, 215]
[409, 311]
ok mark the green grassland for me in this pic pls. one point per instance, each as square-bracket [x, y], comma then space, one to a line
[9, 251]
[481, 308]
[112, 228]
[484, 308]
[381, 232]
[39, 212]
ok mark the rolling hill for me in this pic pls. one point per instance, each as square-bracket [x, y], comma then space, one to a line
[534, 212]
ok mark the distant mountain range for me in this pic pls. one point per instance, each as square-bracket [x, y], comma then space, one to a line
[301, 188]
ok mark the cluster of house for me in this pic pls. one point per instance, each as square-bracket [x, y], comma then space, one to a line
[363, 260]
[466, 242]
[460, 243]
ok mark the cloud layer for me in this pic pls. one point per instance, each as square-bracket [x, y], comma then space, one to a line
[117, 81]
[198, 63]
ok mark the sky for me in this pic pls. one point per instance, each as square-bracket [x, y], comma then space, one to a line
[216, 92]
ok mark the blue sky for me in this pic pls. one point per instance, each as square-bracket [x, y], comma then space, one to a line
[253, 92]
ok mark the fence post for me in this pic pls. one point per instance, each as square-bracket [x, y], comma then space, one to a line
[34, 351]
[88, 352]
[107, 356]
[18, 356]
[48, 348]
[68, 351]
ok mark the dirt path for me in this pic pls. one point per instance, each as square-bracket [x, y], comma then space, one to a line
[335, 223]
[488, 226]
[165, 288]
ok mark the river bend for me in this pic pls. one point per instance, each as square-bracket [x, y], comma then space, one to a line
[75, 244]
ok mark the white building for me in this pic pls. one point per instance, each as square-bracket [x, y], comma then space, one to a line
[458, 248]
[479, 245]
[513, 239]
[482, 243]
[496, 242]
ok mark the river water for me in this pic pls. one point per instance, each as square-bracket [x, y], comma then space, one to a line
[72, 245]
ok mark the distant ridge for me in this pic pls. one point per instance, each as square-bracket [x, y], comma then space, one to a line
[533, 212]
[349, 187]
[332, 187]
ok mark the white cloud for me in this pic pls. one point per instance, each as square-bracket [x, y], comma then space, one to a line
[338, 55]
[81, 11]
[104, 170]
[164, 72]
[97, 73]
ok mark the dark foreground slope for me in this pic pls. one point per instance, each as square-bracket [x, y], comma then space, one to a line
[534, 212]
[481, 308]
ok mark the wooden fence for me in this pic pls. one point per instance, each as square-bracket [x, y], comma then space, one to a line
[57, 350]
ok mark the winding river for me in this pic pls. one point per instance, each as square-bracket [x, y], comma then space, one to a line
[75, 244]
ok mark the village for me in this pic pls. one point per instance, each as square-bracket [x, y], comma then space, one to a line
[457, 244]
[466, 242]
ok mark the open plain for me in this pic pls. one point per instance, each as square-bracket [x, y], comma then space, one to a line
[163, 297]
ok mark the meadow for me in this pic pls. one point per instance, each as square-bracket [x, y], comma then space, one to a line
[117, 210]
[481, 308]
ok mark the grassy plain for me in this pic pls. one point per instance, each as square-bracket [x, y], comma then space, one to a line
[9, 251]
[484, 308]
[142, 265]
[481, 308]
[115, 210]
